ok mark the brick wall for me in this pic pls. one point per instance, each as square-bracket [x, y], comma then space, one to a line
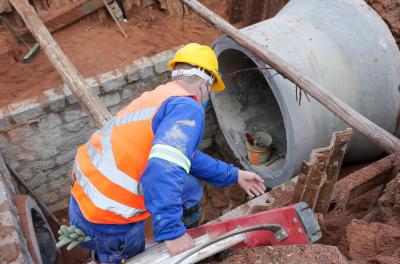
[39, 136]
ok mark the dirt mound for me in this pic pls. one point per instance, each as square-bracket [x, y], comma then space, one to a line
[371, 243]
[389, 10]
[284, 254]
[389, 203]
[95, 47]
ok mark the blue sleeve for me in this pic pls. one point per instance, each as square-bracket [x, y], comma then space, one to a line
[213, 171]
[178, 123]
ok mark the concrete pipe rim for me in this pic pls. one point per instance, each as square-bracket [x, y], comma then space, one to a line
[36, 230]
[285, 170]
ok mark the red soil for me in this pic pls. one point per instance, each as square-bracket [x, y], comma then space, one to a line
[94, 48]
[309, 254]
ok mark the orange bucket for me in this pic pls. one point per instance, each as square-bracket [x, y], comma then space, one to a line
[260, 152]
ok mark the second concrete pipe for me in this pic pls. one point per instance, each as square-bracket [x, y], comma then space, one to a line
[342, 44]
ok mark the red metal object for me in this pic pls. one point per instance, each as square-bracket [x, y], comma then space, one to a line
[297, 220]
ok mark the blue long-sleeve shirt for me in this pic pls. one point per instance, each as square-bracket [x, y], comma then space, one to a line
[179, 123]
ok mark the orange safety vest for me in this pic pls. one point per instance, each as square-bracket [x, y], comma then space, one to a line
[107, 169]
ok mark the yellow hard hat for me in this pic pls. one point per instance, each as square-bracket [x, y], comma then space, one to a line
[201, 56]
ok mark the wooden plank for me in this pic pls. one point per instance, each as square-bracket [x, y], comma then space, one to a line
[301, 183]
[339, 144]
[69, 74]
[317, 176]
[369, 129]
[278, 197]
[5, 6]
[363, 180]
[59, 18]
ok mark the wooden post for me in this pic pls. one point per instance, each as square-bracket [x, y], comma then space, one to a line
[372, 131]
[317, 176]
[301, 182]
[339, 144]
[89, 101]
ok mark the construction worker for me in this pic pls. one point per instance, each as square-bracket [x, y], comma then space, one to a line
[146, 161]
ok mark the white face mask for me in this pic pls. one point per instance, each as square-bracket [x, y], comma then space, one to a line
[205, 87]
[194, 71]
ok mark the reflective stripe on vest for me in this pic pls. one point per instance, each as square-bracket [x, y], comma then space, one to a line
[101, 201]
[170, 154]
[109, 169]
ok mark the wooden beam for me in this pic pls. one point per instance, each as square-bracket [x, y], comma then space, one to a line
[338, 144]
[69, 74]
[278, 197]
[5, 6]
[364, 180]
[316, 178]
[301, 182]
[369, 129]
[59, 18]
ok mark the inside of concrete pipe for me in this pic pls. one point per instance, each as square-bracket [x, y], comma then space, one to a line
[249, 105]
[44, 238]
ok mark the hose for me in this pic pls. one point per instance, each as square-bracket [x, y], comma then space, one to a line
[273, 228]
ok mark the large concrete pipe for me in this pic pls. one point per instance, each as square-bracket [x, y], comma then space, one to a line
[342, 44]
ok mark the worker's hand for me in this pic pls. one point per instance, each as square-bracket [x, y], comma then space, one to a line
[179, 244]
[251, 183]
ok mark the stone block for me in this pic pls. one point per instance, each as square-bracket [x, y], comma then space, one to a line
[26, 156]
[77, 125]
[131, 73]
[129, 92]
[38, 181]
[160, 61]
[57, 100]
[19, 133]
[62, 171]
[59, 205]
[65, 157]
[43, 165]
[25, 111]
[111, 99]
[112, 81]
[114, 109]
[47, 153]
[4, 124]
[61, 183]
[71, 115]
[69, 95]
[145, 67]
[50, 121]
[26, 174]
[3, 142]
[49, 197]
